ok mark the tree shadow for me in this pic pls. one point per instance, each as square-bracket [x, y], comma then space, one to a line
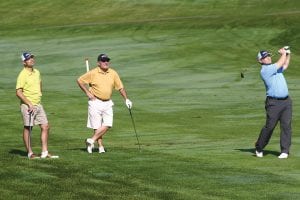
[18, 152]
[252, 150]
[78, 149]
[95, 149]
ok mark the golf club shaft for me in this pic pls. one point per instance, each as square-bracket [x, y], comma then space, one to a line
[30, 130]
[87, 64]
[134, 128]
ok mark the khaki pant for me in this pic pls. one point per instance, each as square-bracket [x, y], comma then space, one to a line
[37, 117]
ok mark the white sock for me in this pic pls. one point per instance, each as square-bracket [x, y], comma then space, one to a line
[90, 140]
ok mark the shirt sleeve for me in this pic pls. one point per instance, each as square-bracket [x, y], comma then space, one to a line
[86, 78]
[280, 70]
[117, 82]
[20, 81]
[268, 71]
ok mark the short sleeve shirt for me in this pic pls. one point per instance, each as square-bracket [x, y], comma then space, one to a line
[30, 82]
[102, 83]
[274, 81]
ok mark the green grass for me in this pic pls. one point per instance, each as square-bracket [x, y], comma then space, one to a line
[180, 61]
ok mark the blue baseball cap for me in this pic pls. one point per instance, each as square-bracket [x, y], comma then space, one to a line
[26, 56]
[263, 54]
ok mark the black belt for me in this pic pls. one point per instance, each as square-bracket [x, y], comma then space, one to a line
[276, 98]
[102, 99]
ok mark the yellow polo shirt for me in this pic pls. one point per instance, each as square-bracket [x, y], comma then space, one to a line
[30, 82]
[102, 83]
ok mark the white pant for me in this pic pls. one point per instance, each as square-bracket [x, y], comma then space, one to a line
[100, 113]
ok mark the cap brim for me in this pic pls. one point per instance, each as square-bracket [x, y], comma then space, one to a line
[31, 56]
[105, 59]
[268, 55]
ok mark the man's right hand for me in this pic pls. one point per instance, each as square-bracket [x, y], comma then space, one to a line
[30, 109]
[90, 96]
[282, 51]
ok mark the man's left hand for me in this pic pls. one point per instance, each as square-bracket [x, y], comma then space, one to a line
[128, 103]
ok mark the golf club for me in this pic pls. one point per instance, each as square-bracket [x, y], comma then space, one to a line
[247, 70]
[30, 130]
[134, 128]
[87, 64]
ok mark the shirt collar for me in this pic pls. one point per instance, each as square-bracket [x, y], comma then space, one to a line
[103, 72]
[29, 72]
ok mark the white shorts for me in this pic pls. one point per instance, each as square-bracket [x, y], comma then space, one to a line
[100, 113]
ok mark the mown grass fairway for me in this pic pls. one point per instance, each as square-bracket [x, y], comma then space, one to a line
[196, 118]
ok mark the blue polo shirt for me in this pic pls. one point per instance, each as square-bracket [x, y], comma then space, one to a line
[274, 81]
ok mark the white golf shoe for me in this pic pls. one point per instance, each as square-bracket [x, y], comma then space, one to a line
[283, 155]
[32, 156]
[259, 154]
[101, 149]
[89, 145]
[44, 154]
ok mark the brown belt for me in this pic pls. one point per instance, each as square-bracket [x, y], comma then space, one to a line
[102, 99]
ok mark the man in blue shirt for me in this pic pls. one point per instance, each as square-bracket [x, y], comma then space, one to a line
[278, 104]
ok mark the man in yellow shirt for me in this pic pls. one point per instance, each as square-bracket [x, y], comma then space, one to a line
[29, 91]
[101, 81]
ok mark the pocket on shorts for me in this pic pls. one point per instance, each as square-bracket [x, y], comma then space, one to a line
[91, 102]
[111, 103]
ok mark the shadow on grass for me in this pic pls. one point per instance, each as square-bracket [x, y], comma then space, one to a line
[18, 152]
[252, 150]
[95, 149]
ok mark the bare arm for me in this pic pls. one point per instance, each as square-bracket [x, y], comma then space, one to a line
[21, 96]
[283, 58]
[287, 62]
[128, 103]
[123, 93]
[83, 87]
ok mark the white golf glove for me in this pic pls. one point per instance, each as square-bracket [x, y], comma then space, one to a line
[287, 49]
[128, 103]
